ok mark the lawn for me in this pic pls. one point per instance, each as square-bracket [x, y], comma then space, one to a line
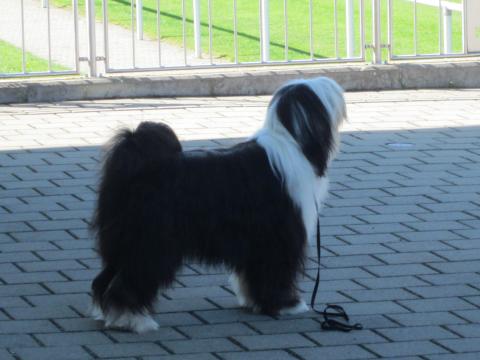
[11, 61]
[298, 26]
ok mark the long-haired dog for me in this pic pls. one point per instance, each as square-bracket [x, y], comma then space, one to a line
[251, 207]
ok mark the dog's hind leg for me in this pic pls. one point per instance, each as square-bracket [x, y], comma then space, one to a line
[99, 286]
[127, 303]
[239, 287]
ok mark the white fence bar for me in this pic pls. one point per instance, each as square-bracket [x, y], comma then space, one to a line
[139, 7]
[184, 33]
[49, 38]
[376, 16]
[350, 28]
[22, 15]
[75, 31]
[210, 32]
[447, 30]
[265, 29]
[285, 24]
[44, 4]
[105, 34]
[132, 24]
[92, 51]
[159, 43]
[335, 24]
[472, 26]
[197, 28]
[235, 31]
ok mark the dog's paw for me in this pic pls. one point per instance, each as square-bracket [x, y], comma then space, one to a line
[301, 307]
[139, 323]
[144, 323]
[237, 288]
[96, 312]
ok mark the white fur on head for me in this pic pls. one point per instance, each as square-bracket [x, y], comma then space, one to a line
[286, 158]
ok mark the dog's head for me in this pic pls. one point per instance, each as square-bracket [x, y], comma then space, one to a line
[310, 112]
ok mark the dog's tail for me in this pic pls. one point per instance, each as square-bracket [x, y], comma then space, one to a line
[130, 154]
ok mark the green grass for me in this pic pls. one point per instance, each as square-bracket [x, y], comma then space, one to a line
[298, 26]
[11, 61]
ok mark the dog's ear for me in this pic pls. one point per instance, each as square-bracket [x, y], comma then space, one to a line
[305, 117]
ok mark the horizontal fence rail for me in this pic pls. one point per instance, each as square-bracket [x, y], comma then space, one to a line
[59, 37]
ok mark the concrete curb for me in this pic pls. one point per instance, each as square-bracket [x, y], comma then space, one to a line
[244, 82]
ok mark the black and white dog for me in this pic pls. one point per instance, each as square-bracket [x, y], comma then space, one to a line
[251, 207]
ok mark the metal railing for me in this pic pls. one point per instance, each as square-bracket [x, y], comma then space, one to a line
[330, 31]
[445, 11]
[16, 22]
[198, 58]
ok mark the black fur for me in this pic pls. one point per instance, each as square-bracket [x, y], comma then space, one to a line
[159, 207]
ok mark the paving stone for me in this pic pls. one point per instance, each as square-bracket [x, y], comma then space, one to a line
[257, 355]
[379, 295]
[41, 312]
[163, 333]
[437, 304]
[406, 348]
[427, 318]
[408, 258]
[467, 330]
[285, 326]
[400, 270]
[464, 356]
[167, 306]
[49, 265]
[26, 326]
[79, 324]
[391, 282]
[123, 350]
[63, 299]
[51, 353]
[328, 338]
[204, 356]
[346, 352]
[416, 333]
[229, 315]
[200, 346]
[16, 340]
[22, 289]
[277, 341]
[217, 330]
[461, 345]
[444, 291]
[73, 338]
[69, 287]
[25, 278]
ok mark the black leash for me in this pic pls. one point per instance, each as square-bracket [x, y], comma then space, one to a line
[331, 311]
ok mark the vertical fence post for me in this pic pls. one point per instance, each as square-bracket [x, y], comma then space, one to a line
[44, 3]
[92, 49]
[197, 28]
[139, 8]
[447, 30]
[265, 35]
[377, 48]
[350, 28]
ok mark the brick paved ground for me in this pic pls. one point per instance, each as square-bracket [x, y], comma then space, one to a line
[401, 235]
